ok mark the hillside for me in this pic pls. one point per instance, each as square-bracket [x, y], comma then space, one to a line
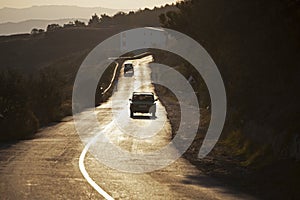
[52, 12]
[10, 28]
[28, 52]
[37, 71]
[255, 45]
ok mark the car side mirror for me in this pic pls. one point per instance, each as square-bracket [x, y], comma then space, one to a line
[156, 99]
[130, 99]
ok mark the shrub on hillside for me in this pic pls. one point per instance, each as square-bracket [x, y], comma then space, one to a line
[17, 120]
[27, 103]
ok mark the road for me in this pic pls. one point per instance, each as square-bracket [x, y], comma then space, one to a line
[47, 167]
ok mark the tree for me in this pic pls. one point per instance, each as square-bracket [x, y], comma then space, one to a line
[79, 23]
[53, 27]
[69, 25]
[105, 18]
[34, 31]
[94, 21]
[119, 14]
[131, 13]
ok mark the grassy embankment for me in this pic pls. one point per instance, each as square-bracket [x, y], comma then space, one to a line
[255, 45]
[38, 70]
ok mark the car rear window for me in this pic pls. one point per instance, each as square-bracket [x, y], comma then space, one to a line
[143, 98]
[128, 65]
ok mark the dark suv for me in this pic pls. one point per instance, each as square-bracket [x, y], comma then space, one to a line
[128, 68]
[142, 102]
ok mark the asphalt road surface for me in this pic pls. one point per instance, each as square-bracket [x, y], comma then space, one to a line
[56, 165]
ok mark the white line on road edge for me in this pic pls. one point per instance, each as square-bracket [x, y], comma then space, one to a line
[85, 173]
[86, 148]
[112, 80]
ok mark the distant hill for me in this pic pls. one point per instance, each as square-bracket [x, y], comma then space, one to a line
[51, 13]
[47, 64]
[31, 52]
[145, 17]
[10, 28]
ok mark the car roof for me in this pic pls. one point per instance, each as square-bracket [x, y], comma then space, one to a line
[127, 62]
[143, 93]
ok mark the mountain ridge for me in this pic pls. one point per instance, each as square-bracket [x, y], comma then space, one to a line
[26, 26]
[52, 12]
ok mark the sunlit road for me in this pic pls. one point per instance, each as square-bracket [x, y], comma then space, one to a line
[47, 167]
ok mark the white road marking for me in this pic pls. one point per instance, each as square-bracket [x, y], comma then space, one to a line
[94, 139]
[85, 173]
[113, 78]
[86, 148]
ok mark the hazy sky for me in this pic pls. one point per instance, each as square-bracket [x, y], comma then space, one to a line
[130, 4]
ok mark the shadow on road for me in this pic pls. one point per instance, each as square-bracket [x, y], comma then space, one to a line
[128, 74]
[8, 144]
[209, 182]
[144, 117]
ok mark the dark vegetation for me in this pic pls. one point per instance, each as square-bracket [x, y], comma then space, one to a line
[255, 45]
[140, 18]
[37, 70]
[29, 102]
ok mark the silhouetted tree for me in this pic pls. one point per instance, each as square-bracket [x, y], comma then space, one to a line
[105, 18]
[119, 14]
[79, 23]
[69, 25]
[94, 21]
[34, 31]
[53, 27]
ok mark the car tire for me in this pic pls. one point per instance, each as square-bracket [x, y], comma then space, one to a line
[152, 110]
[131, 114]
[153, 114]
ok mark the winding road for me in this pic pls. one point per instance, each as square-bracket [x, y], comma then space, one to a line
[56, 164]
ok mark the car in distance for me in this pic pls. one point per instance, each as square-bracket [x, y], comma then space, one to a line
[128, 69]
[142, 102]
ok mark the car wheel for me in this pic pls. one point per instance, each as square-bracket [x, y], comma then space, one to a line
[153, 114]
[131, 114]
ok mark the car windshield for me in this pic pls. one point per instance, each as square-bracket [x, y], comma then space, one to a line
[143, 98]
[128, 65]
